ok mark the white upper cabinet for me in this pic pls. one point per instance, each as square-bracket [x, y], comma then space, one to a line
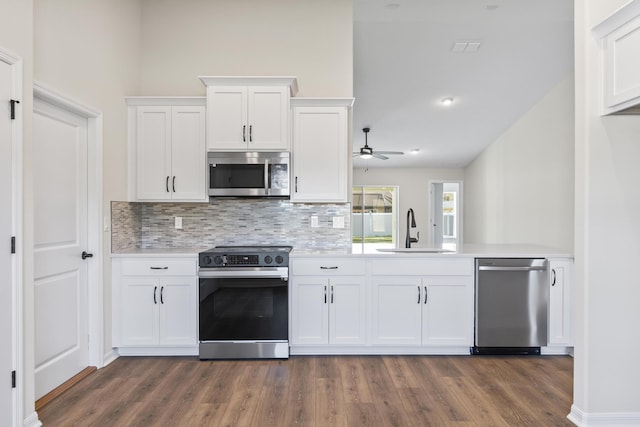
[248, 113]
[321, 149]
[167, 154]
[619, 37]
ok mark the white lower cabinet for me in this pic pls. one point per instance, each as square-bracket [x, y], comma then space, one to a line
[381, 306]
[328, 307]
[560, 302]
[155, 306]
[427, 311]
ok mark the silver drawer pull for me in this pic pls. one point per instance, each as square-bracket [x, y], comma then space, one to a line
[335, 267]
[159, 268]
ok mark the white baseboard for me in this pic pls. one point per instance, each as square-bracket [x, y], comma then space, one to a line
[300, 350]
[617, 419]
[109, 357]
[32, 420]
[158, 351]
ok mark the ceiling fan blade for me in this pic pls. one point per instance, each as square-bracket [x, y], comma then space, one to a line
[377, 155]
[390, 152]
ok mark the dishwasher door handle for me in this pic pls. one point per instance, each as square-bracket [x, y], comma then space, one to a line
[498, 268]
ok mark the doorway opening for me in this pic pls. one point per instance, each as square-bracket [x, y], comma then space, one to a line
[445, 199]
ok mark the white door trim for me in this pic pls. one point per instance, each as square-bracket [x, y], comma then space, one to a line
[94, 224]
[432, 214]
[17, 274]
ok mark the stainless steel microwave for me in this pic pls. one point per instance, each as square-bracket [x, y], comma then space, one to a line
[249, 174]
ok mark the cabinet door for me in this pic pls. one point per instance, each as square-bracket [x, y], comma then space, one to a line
[188, 153]
[396, 313]
[268, 118]
[153, 153]
[309, 310]
[622, 67]
[177, 298]
[320, 154]
[139, 310]
[347, 314]
[227, 118]
[447, 318]
[560, 302]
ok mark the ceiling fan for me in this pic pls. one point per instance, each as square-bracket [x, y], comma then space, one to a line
[367, 152]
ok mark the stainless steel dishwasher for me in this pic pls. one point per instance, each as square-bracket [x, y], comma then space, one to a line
[512, 298]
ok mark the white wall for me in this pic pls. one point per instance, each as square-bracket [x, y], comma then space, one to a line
[520, 189]
[606, 374]
[413, 192]
[16, 35]
[309, 39]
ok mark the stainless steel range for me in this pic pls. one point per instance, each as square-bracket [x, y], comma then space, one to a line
[244, 303]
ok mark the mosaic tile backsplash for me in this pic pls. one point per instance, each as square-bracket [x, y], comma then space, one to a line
[228, 222]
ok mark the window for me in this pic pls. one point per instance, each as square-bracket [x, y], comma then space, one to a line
[374, 218]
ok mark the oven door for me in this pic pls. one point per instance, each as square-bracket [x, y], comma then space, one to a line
[243, 304]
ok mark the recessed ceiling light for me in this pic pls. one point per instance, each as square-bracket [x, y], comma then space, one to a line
[447, 101]
[392, 5]
[414, 151]
[491, 7]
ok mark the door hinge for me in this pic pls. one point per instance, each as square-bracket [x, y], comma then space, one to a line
[13, 244]
[13, 108]
[13, 379]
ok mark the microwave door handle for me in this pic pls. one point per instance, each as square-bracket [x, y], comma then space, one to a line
[267, 176]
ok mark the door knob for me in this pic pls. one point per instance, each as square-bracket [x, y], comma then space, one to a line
[86, 255]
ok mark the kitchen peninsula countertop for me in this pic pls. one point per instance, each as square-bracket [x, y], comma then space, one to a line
[467, 250]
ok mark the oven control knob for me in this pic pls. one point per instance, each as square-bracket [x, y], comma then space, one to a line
[218, 260]
[268, 259]
[279, 259]
[206, 260]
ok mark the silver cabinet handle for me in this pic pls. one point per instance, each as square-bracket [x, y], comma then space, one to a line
[173, 183]
[425, 295]
[162, 295]
[418, 294]
[159, 268]
[167, 184]
[250, 133]
[331, 294]
[155, 290]
[553, 283]
[325, 294]
[296, 184]
[244, 133]
[333, 267]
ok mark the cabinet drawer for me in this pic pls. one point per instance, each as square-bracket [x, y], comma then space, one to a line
[327, 266]
[425, 266]
[159, 267]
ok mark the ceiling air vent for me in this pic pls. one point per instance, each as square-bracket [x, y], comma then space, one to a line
[468, 46]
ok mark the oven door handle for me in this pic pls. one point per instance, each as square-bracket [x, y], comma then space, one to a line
[239, 272]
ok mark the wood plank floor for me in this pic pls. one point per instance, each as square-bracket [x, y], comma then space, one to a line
[321, 391]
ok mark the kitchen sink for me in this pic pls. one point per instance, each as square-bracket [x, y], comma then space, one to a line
[416, 250]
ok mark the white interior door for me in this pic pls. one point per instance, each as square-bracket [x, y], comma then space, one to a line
[6, 265]
[60, 237]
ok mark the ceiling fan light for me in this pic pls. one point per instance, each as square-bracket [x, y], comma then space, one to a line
[365, 156]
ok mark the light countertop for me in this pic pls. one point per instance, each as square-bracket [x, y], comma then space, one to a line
[467, 250]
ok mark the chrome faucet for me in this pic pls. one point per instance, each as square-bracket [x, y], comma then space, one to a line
[411, 222]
